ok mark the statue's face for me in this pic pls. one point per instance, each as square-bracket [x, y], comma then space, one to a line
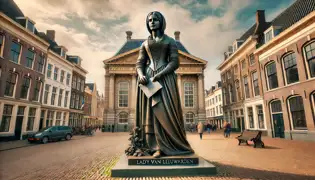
[154, 22]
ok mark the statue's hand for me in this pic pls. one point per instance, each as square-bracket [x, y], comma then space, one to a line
[157, 77]
[143, 80]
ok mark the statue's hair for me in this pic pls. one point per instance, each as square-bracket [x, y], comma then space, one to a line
[161, 19]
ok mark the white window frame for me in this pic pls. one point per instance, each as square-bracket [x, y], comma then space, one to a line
[51, 71]
[14, 89]
[28, 90]
[56, 73]
[253, 85]
[21, 51]
[119, 117]
[269, 30]
[34, 59]
[290, 114]
[247, 117]
[193, 94]
[118, 98]
[40, 90]
[283, 68]
[266, 75]
[306, 61]
[193, 117]
[264, 116]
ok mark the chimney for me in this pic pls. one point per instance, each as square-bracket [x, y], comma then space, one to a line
[260, 17]
[129, 34]
[176, 33]
[51, 34]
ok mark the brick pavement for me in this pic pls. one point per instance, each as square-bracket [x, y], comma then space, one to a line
[92, 158]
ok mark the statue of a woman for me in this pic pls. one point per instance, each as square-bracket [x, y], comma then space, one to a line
[160, 117]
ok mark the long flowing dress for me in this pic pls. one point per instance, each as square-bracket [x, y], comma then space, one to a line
[162, 124]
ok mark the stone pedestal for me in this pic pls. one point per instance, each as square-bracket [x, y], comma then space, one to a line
[162, 167]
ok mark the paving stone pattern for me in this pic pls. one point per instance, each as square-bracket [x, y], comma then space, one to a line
[93, 157]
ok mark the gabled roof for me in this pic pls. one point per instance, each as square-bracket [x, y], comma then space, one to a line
[248, 33]
[298, 10]
[136, 43]
[9, 8]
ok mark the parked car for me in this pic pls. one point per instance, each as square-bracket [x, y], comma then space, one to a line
[51, 133]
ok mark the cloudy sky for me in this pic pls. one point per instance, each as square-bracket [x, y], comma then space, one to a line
[95, 29]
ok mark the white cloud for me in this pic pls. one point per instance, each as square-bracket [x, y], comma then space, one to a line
[215, 3]
[204, 39]
[92, 25]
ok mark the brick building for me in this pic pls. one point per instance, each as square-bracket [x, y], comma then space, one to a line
[241, 82]
[23, 57]
[287, 62]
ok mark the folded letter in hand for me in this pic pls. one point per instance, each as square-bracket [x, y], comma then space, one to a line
[151, 88]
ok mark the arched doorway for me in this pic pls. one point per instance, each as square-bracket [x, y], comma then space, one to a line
[277, 118]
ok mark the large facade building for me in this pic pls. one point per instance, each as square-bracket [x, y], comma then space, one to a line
[214, 105]
[92, 106]
[57, 86]
[269, 75]
[23, 57]
[121, 85]
[287, 61]
[241, 82]
[77, 92]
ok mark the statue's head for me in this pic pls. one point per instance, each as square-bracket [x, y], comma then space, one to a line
[155, 21]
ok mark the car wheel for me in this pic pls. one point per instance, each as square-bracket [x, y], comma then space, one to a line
[45, 140]
[68, 137]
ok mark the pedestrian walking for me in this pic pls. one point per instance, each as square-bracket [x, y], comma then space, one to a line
[113, 127]
[208, 127]
[224, 128]
[228, 129]
[200, 128]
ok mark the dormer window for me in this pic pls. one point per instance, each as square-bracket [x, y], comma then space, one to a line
[272, 32]
[27, 23]
[237, 44]
[62, 53]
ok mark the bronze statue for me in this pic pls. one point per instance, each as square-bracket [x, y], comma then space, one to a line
[159, 118]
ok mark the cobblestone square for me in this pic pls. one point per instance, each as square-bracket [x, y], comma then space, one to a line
[93, 157]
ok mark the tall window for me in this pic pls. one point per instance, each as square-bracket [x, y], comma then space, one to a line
[60, 96]
[78, 84]
[53, 96]
[77, 101]
[309, 51]
[224, 96]
[68, 78]
[37, 90]
[41, 62]
[216, 99]
[271, 72]
[251, 59]
[250, 117]
[64, 118]
[123, 118]
[58, 119]
[74, 82]
[219, 97]
[229, 74]
[290, 68]
[189, 117]
[297, 112]
[220, 107]
[231, 93]
[62, 75]
[25, 87]
[66, 99]
[1, 44]
[255, 83]
[72, 101]
[189, 94]
[313, 104]
[50, 117]
[56, 73]
[246, 88]
[30, 58]
[49, 69]
[6, 118]
[260, 114]
[123, 94]
[31, 119]
[238, 90]
[15, 52]
[47, 87]
[82, 85]
[10, 84]
[217, 110]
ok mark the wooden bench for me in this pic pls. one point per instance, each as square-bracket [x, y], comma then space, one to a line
[254, 136]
